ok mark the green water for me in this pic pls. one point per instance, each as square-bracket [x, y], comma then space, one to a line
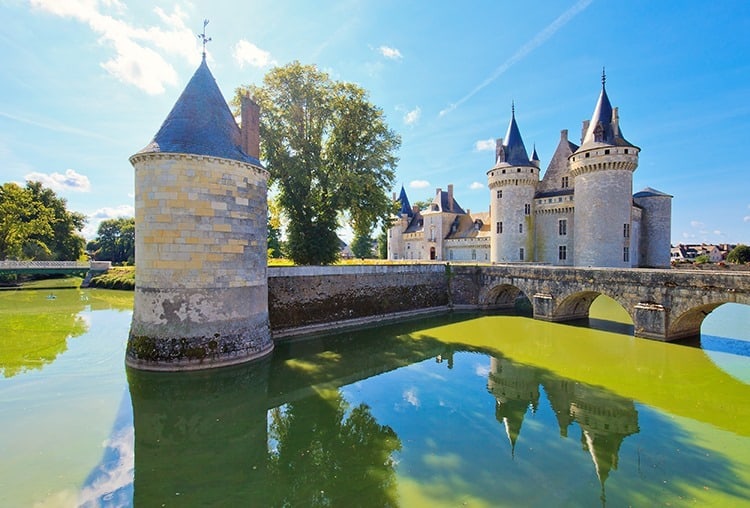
[462, 410]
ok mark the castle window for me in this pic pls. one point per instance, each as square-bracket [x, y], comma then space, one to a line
[562, 227]
[626, 230]
[626, 254]
[565, 182]
[606, 152]
[499, 194]
[499, 228]
[473, 254]
[518, 170]
[562, 253]
[588, 155]
[527, 209]
[503, 171]
[626, 151]
[520, 254]
[520, 228]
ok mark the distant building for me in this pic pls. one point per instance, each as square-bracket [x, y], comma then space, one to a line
[582, 212]
[688, 252]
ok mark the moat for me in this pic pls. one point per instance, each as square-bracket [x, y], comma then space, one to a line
[457, 410]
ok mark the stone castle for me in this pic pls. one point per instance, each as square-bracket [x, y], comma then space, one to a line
[582, 212]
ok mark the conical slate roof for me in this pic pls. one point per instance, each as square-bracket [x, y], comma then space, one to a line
[515, 151]
[405, 206]
[603, 129]
[201, 123]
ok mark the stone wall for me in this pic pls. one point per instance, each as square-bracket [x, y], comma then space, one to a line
[310, 299]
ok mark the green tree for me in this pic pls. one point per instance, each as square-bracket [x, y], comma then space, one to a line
[329, 151]
[702, 259]
[274, 229]
[362, 246]
[115, 240]
[35, 224]
[383, 244]
[740, 254]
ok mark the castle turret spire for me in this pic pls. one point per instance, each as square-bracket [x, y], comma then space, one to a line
[515, 151]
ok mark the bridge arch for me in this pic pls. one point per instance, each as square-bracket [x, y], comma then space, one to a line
[505, 295]
[686, 322]
[576, 305]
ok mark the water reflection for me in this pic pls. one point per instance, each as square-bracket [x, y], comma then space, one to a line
[36, 325]
[604, 418]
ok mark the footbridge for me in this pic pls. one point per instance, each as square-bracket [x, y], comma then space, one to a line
[664, 304]
[80, 268]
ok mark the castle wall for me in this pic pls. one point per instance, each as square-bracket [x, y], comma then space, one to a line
[510, 214]
[548, 230]
[201, 290]
[314, 299]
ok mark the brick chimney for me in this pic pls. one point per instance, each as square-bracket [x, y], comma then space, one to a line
[250, 113]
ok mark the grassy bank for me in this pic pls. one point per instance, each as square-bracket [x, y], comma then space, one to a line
[117, 277]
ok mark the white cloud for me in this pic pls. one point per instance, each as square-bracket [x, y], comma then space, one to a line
[391, 53]
[484, 145]
[70, 181]
[482, 370]
[746, 218]
[411, 397]
[419, 184]
[539, 39]
[94, 219]
[245, 52]
[412, 117]
[476, 186]
[138, 51]
[696, 224]
[717, 232]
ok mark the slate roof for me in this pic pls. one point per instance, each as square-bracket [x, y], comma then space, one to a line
[515, 151]
[405, 206]
[602, 119]
[201, 123]
[649, 192]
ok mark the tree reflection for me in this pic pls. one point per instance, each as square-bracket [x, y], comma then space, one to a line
[36, 326]
[329, 454]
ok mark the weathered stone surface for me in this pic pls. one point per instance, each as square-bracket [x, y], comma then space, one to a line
[304, 296]
[664, 304]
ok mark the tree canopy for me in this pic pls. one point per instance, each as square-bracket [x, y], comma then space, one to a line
[329, 152]
[740, 254]
[115, 241]
[35, 224]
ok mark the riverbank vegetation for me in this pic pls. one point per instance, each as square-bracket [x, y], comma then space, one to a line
[35, 225]
[117, 277]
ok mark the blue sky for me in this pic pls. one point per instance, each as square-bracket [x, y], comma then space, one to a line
[86, 84]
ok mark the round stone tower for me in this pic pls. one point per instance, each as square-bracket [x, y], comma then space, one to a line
[602, 169]
[656, 227]
[512, 182]
[201, 297]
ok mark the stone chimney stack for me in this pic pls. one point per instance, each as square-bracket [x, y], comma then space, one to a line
[450, 197]
[616, 122]
[250, 113]
[564, 135]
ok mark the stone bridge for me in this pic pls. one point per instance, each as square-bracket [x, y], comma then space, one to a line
[664, 304]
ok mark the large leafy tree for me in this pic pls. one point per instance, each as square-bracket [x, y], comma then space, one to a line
[329, 152]
[740, 254]
[36, 224]
[115, 240]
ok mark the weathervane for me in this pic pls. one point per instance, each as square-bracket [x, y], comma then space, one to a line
[203, 37]
[604, 75]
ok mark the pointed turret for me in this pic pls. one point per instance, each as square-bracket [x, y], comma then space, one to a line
[405, 208]
[201, 123]
[512, 182]
[513, 147]
[604, 126]
[602, 168]
[201, 298]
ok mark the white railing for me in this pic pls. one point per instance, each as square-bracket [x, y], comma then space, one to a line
[20, 265]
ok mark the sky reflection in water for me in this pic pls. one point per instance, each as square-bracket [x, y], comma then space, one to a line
[480, 411]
